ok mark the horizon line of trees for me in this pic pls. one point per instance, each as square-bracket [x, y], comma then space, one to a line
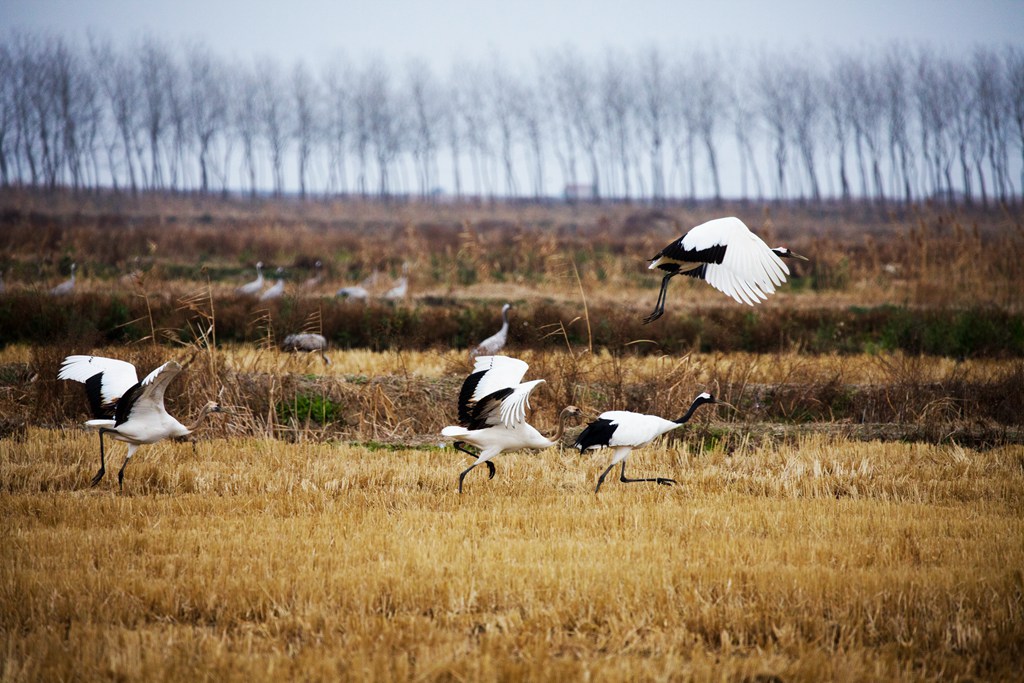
[898, 124]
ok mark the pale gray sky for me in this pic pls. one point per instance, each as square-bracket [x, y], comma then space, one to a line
[445, 31]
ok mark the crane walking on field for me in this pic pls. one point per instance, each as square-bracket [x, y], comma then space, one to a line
[307, 342]
[254, 287]
[66, 287]
[127, 409]
[492, 412]
[624, 430]
[724, 253]
[496, 342]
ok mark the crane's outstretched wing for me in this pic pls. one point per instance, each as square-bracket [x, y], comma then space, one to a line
[106, 380]
[729, 257]
[493, 395]
[147, 397]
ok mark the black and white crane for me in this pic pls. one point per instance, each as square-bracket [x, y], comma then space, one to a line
[277, 290]
[496, 342]
[253, 288]
[66, 287]
[125, 408]
[624, 430]
[728, 256]
[307, 342]
[492, 413]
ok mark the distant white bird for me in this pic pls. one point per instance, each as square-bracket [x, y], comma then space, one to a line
[318, 276]
[66, 287]
[496, 342]
[254, 287]
[128, 410]
[729, 257]
[624, 431]
[399, 290]
[354, 292]
[492, 412]
[401, 286]
[277, 291]
[308, 343]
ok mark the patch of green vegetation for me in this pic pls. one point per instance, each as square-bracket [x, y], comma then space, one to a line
[309, 408]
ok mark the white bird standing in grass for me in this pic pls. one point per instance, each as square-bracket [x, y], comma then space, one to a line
[492, 412]
[66, 287]
[254, 287]
[624, 431]
[401, 286]
[318, 275]
[127, 409]
[307, 342]
[729, 257]
[496, 342]
[277, 291]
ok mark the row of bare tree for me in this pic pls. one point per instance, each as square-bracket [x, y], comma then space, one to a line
[895, 124]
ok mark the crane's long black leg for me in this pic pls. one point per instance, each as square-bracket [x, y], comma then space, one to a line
[103, 466]
[600, 480]
[491, 471]
[659, 308]
[661, 480]
[463, 475]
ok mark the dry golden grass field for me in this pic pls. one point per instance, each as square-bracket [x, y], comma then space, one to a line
[858, 516]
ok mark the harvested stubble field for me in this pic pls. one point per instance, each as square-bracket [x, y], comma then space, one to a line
[860, 515]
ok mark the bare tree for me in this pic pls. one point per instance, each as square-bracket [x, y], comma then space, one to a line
[711, 96]
[742, 108]
[529, 109]
[8, 77]
[119, 84]
[306, 120]
[208, 103]
[805, 87]
[681, 127]
[247, 120]
[452, 124]
[425, 124]
[995, 93]
[155, 77]
[1014, 61]
[652, 113]
[337, 121]
[380, 121]
[618, 113]
[476, 125]
[773, 97]
[274, 117]
[506, 93]
[840, 115]
[935, 102]
[895, 67]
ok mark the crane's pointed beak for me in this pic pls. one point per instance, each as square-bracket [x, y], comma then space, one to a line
[799, 257]
[727, 405]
